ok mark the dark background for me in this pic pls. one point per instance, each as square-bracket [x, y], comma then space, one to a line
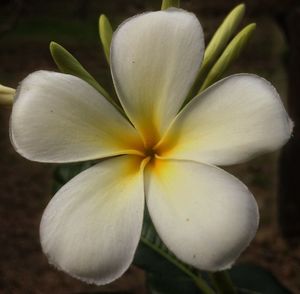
[26, 29]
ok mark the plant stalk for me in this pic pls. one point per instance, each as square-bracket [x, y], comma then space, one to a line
[222, 282]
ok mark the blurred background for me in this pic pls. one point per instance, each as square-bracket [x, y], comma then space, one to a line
[26, 29]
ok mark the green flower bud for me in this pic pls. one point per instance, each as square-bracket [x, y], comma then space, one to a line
[230, 54]
[170, 3]
[6, 95]
[105, 33]
[68, 64]
[216, 45]
[222, 36]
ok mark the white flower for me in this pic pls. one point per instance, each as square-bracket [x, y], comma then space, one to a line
[207, 217]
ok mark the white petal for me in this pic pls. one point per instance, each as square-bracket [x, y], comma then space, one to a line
[92, 226]
[230, 122]
[61, 118]
[154, 60]
[204, 215]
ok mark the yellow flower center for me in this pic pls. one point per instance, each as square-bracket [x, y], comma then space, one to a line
[150, 152]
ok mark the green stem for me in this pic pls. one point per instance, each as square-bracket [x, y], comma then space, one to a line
[222, 282]
[197, 279]
[202, 285]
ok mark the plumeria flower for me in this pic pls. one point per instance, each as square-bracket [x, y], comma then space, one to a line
[161, 155]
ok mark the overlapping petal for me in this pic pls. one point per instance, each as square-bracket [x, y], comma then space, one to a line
[60, 118]
[154, 60]
[92, 226]
[233, 120]
[204, 215]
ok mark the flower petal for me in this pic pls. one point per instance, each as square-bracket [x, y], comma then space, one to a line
[230, 122]
[204, 215]
[61, 118]
[92, 226]
[154, 60]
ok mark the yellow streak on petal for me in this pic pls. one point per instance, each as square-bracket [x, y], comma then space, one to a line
[163, 147]
[149, 132]
[134, 166]
[144, 163]
[157, 166]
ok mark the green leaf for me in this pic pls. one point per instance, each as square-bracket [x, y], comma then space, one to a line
[230, 54]
[68, 64]
[252, 279]
[216, 45]
[170, 3]
[162, 275]
[105, 33]
[163, 268]
[222, 36]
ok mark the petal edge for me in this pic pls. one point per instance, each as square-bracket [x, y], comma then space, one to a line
[230, 122]
[204, 215]
[155, 57]
[61, 118]
[92, 226]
